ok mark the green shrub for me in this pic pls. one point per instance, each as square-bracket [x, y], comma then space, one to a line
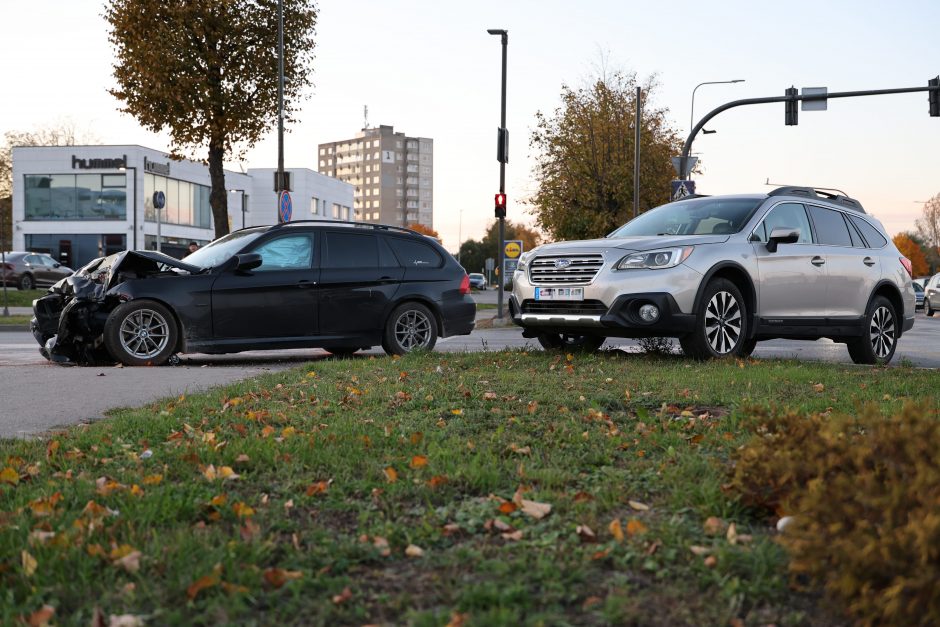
[865, 496]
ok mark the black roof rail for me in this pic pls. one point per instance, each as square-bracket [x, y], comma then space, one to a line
[821, 194]
[346, 223]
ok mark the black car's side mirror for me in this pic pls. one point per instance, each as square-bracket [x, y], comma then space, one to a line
[782, 235]
[248, 261]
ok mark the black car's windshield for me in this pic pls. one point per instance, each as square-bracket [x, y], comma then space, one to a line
[215, 253]
[697, 216]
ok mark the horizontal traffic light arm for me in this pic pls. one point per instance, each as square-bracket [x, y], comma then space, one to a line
[753, 101]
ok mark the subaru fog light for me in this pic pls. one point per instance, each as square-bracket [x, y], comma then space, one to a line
[649, 313]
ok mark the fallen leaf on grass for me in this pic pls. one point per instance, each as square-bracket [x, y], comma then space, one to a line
[819, 387]
[130, 562]
[616, 530]
[419, 461]
[28, 562]
[638, 506]
[9, 475]
[277, 577]
[714, 526]
[534, 509]
[342, 597]
[125, 620]
[586, 534]
[412, 550]
[458, 620]
[635, 527]
[381, 544]
[153, 479]
[242, 510]
[201, 584]
[39, 537]
[41, 617]
[711, 561]
[700, 550]
[318, 487]
[436, 481]
[591, 602]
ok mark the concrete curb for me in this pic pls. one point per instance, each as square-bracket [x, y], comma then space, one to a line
[11, 328]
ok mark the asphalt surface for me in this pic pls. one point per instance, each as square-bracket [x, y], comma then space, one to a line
[36, 396]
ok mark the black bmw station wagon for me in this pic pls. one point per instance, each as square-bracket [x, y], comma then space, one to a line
[340, 286]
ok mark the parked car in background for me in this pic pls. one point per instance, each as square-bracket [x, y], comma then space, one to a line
[27, 271]
[922, 281]
[918, 295]
[307, 284]
[721, 273]
[477, 281]
[932, 295]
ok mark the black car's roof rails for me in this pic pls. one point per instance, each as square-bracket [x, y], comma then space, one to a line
[363, 225]
[822, 193]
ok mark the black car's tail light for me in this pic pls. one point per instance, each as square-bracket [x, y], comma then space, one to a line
[465, 285]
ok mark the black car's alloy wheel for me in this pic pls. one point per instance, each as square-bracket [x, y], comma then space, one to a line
[141, 333]
[411, 327]
[570, 342]
[880, 338]
[721, 325]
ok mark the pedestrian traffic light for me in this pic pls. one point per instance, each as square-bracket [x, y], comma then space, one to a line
[792, 113]
[500, 205]
[934, 96]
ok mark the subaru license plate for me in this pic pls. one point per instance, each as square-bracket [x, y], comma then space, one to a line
[559, 293]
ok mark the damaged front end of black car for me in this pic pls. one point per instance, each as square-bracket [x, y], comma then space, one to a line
[69, 322]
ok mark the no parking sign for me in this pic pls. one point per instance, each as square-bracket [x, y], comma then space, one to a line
[284, 206]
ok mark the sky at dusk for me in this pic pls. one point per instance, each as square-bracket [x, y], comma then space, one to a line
[430, 69]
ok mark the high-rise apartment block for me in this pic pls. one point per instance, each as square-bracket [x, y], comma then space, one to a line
[393, 175]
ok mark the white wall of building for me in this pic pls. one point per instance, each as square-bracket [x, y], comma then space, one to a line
[313, 196]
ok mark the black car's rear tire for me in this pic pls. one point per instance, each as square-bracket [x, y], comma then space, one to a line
[570, 342]
[410, 327]
[26, 282]
[141, 333]
[880, 337]
[721, 324]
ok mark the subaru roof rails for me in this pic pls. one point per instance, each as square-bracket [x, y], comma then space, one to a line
[821, 193]
[362, 225]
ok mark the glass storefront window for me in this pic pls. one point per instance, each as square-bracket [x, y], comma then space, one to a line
[186, 203]
[75, 197]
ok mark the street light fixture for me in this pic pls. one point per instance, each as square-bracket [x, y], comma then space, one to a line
[503, 156]
[244, 202]
[692, 113]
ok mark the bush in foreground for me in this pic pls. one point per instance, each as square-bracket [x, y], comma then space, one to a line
[864, 494]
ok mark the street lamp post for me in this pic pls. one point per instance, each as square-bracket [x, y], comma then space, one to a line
[3, 263]
[692, 112]
[280, 103]
[134, 168]
[503, 157]
[244, 202]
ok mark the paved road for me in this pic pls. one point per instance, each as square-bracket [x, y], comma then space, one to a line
[36, 395]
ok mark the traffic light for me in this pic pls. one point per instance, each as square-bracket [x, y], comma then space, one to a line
[934, 97]
[500, 205]
[792, 113]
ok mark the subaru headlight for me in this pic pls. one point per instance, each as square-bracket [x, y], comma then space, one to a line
[523, 261]
[655, 259]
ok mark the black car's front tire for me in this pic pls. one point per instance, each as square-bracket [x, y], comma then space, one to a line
[720, 326]
[141, 333]
[880, 337]
[411, 327]
[570, 342]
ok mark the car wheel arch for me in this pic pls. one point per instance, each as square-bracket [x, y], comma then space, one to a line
[181, 339]
[890, 291]
[742, 280]
[417, 298]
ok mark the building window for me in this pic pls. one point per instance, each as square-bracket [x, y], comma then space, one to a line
[187, 203]
[76, 197]
[314, 205]
[375, 144]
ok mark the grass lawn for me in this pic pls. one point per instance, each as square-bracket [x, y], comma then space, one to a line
[21, 298]
[18, 321]
[483, 489]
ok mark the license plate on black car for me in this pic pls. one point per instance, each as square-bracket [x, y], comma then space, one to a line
[559, 293]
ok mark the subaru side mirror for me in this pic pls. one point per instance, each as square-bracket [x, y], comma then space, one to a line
[782, 235]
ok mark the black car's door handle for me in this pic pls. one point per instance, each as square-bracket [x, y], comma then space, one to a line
[868, 261]
[305, 283]
[817, 261]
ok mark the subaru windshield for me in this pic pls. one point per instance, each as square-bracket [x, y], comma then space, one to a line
[697, 216]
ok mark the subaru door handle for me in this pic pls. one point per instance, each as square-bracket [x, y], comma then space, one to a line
[818, 261]
[868, 261]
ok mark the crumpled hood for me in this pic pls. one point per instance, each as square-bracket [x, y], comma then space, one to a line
[628, 243]
[104, 269]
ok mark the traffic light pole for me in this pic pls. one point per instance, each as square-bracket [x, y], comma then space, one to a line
[504, 35]
[791, 97]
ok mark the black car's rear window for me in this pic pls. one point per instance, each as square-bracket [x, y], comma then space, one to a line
[413, 253]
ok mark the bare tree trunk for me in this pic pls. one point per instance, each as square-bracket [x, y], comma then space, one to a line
[218, 198]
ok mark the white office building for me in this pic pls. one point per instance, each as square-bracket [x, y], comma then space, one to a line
[80, 202]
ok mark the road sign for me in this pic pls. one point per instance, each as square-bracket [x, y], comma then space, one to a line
[510, 265]
[682, 189]
[512, 249]
[284, 206]
[814, 105]
[159, 200]
[490, 263]
[689, 164]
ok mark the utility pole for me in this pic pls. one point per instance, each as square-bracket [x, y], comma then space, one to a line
[280, 102]
[636, 156]
[502, 155]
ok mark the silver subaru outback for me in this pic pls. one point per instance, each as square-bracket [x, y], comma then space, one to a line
[721, 273]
